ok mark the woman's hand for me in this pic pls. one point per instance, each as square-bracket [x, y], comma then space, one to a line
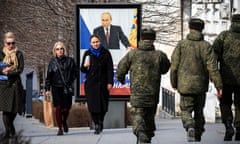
[48, 93]
[6, 70]
[86, 64]
[219, 93]
[109, 87]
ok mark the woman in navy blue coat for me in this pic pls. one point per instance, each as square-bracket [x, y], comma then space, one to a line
[98, 66]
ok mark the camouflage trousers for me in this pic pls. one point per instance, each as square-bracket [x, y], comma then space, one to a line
[226, 104]
[143, 122]
[189, 104]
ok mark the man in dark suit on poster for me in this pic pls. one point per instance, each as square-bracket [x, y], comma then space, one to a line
[110, 34]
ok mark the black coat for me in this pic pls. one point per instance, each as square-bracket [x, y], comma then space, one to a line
[99, 74]
[54, 80]
[68, 69]
[11, 91]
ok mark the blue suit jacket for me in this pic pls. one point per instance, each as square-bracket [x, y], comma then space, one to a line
[116, 35]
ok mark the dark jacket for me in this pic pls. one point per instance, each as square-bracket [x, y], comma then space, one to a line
[146, 65]
[68, 69]
[116, 35]
[227, 49]
[99, 74]
[193, 61]
[11, 91]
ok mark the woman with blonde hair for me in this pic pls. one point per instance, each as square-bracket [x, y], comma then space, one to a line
[61, 74]
[11, 88]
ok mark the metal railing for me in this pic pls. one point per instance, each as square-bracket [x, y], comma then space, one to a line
[168, 101]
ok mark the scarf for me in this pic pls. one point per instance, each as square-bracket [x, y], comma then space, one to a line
[96, 52]
[10, 57]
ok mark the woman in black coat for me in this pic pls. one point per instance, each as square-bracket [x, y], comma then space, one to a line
[11, 87]
[61, 64]
[98, 65]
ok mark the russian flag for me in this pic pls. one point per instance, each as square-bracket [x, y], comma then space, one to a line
[84, 34]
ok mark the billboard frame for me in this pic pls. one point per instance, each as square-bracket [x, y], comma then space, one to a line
[110, 6]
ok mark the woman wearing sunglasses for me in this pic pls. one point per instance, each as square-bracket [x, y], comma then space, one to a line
[11, 88]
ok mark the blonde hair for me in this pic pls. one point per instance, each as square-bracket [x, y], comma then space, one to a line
[54, 48]
[8, 35]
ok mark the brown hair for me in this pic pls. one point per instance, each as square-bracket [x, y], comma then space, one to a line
[94, 35]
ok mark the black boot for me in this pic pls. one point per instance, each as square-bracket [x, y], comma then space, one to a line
[229, 131]
[97, 129]
[101, 126]
[198, 134]
[7, 133]
[12, 130]
[65, 127]
[198, 137]
[191, 135]
[237, 136]
[60, 132]
[143, 138]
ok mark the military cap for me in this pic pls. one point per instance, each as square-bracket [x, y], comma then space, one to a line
[148, 34]
[236, 18]
[196, 23]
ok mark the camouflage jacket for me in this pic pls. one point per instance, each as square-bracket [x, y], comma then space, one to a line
[227, 49]
[146, 66]
[193, 61]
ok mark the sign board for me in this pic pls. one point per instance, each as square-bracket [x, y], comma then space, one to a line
[88, 17]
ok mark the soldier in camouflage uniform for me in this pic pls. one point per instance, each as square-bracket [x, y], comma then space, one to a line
[227, 48]
[146, 65]
[193, 61]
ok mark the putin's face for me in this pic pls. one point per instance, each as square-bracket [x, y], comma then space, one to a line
[106, 20]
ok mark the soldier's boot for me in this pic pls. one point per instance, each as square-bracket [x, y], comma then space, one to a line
[97, 129]
[237, 136]
[191, 135]
[101, 126]
[198, 135]
[143, 138]
[229, 131]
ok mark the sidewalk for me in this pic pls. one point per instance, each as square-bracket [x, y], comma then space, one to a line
[169, 131]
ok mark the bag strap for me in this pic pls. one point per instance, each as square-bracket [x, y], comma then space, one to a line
[58, 66]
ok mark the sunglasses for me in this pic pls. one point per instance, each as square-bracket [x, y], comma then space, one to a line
[59, 49]
[10, 43]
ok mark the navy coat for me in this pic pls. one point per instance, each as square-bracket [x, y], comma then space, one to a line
[98, 75]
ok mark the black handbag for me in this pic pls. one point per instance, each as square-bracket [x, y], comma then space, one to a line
[68, 90]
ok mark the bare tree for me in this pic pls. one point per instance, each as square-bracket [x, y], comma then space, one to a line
[163, 16]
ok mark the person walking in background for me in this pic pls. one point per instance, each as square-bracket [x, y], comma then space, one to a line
[98, 65]
[61, 74]
[146, 65]
[109, 34]
[11, 88]
[193, 62]
[227, 49]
